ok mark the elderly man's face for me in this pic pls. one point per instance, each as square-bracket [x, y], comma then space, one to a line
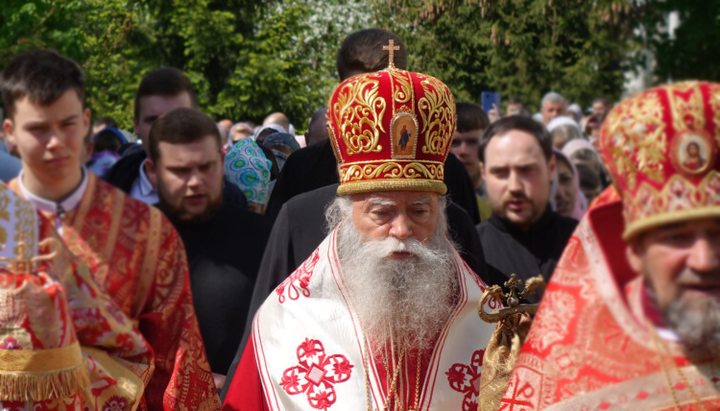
[551, 110]
[681, 263]
[402, 215]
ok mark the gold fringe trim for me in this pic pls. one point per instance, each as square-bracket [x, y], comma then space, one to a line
[48, 360]
[41, 386]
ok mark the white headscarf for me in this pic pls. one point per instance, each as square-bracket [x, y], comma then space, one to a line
[563, 121]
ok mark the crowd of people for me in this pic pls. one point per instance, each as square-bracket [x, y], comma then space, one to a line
[194, 263]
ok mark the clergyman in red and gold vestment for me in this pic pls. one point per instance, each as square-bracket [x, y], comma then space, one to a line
[631, 317]
[64, 344]
[134, 253]
[138, 258]
[383, 315]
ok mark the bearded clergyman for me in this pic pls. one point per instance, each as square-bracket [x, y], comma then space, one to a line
[631, 317]
[382, 316]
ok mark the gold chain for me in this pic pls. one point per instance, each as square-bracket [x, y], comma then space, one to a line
[394, 379]
[665, 352]
[418, 371]
[386, 364]
[396, 372]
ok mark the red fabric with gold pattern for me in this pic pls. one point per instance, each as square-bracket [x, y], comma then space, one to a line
[589, 347]
[391, 130]
[64, 344]
[661, 148]
[137, 256]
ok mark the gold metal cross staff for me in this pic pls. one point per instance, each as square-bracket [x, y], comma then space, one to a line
[392, 48]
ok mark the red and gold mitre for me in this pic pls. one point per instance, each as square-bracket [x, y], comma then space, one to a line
[391, 131]
[661, 148]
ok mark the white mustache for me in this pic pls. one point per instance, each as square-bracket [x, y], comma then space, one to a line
[384, 248]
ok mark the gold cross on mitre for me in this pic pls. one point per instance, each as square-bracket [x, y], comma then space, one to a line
[392, 48]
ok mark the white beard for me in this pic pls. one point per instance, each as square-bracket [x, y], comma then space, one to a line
[405, 301]
[697, 323]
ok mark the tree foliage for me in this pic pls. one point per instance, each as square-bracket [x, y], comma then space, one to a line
[522, 48]
[692, 52]
[245, 58]
[248, 58]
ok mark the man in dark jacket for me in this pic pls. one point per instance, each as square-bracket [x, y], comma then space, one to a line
[524, 236]
[224, 243]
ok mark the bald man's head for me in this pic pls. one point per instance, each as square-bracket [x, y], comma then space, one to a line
[278, 118]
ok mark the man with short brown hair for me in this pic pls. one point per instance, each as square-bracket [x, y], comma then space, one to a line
[524, 236]
[161, 90]
[471, 122]
[224, 243]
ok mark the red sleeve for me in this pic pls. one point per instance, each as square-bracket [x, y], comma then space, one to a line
[182, 379]
[246, 391]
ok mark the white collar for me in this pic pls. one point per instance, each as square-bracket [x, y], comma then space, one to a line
[668, 334]
[68, 204]
[146, 187]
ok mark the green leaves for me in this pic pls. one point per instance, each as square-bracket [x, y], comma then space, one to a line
[248, 58]
[245, 58]
[522, 48]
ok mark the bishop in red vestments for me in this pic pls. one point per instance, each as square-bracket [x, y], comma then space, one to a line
[631, 317]
[383, 315]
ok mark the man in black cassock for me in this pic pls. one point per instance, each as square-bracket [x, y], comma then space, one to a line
[224, 242]
[524, 236]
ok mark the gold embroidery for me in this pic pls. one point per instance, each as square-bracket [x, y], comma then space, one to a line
[403, 92]
[391, 169]
[678, 200]
[334, 144]
[25, 228]
[399, 184]
[5, 217]
[359, 111]
[637, 138]
[686, 103]
[437, 109]
[714, 101]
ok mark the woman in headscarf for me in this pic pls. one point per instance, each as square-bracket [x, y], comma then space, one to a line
[569, 199]
[106, 144]
[265, 131]
[563, 129]
[583, 152]
[282, 145]
[247, 167]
